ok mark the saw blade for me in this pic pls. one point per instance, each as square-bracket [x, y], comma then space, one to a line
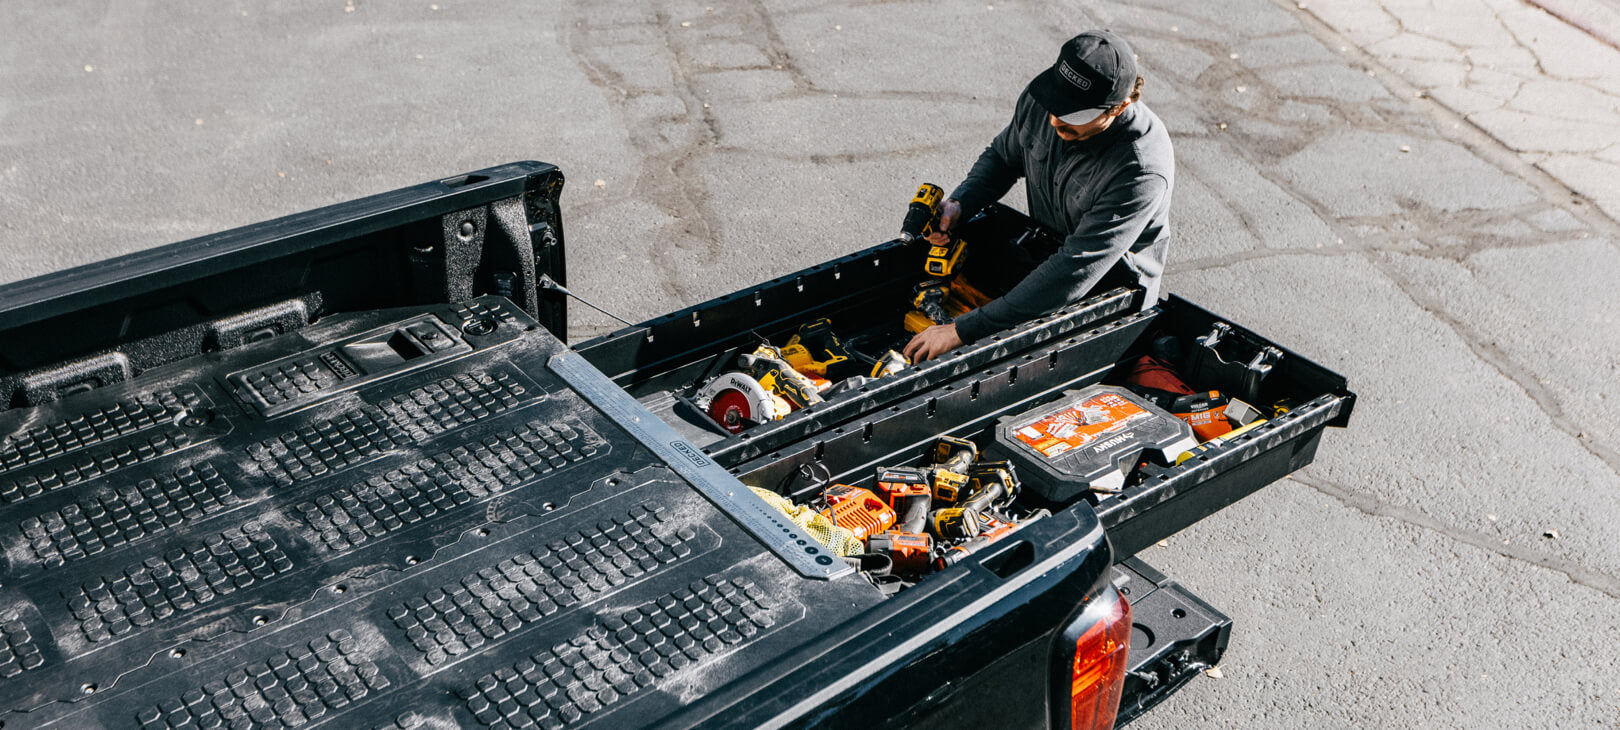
[737, 401]
[731, 409]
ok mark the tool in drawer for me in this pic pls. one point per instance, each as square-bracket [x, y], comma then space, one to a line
[1218, 440]
[1090, 440]
[1205, 412]
[908, 492]
[992, 486]
[992, 532]
[1226, 359]
[816, 351]
[909, 551]
[928, 306]
[769, 383]
[765, 388]
[949, 473]
[941, 301]
[857, 510]
[735, 400]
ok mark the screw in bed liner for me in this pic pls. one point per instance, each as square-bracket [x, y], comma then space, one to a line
[467, 230]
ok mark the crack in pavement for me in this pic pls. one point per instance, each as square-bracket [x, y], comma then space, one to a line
[1375, 237]
[1429, 224]
[668, 144]
[1370, 506]
[1596, 21]
[1210, 263]
[627, 50]
[1477, 343]
[1476, 138]
[1520, 68]
[1493, 356]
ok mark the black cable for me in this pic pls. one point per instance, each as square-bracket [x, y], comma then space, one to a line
[550, 284]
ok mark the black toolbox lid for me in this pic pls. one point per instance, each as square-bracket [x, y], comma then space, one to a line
[433, 514]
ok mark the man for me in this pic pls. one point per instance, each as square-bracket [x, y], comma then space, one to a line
[1098, 168]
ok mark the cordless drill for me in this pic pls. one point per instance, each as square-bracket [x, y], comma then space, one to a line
[953, 458]
[971, 517]
[929, 301]
[922, 219]
[923, 213]
[907, 489]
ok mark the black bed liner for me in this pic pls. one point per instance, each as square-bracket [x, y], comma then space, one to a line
[272, 474]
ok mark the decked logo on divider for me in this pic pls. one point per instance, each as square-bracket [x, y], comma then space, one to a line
[690, 453]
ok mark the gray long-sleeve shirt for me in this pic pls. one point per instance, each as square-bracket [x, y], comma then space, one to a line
[1109, 194]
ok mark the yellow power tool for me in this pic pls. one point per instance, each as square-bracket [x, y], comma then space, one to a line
[817, 352]
[922, 221]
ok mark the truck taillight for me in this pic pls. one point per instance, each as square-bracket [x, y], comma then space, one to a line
[1100, 656]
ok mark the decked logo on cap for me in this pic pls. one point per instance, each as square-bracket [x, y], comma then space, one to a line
[1073, 76]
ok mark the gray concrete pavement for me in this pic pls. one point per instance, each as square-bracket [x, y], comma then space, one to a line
[1543, 78]
[1401, 581]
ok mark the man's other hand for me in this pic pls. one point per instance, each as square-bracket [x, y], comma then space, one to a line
[948, 213]
[932, 342]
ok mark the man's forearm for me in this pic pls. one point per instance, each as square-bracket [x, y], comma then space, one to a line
[1057, 282]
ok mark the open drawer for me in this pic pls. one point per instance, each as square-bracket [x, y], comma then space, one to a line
[1157, 500]
[894, 420]
[665, 361]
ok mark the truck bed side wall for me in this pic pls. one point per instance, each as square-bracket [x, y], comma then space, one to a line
[490, 232]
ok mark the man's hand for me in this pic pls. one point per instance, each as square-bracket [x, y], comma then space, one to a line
[932, 342]
[948, 213]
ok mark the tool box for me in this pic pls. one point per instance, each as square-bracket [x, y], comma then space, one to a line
[358, 479]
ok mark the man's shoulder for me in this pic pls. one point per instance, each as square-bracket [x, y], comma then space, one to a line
[1150, 142]
[1151, 127]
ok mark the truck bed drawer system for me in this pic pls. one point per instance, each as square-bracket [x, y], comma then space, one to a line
[359, 507]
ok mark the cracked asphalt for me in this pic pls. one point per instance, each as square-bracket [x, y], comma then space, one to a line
[1419, 195]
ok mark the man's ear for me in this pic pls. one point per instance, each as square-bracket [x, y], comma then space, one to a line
[1118, 110]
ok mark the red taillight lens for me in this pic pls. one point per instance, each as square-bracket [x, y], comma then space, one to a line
[1100, 656]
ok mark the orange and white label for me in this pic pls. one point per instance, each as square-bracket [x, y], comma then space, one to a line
[1081, 424]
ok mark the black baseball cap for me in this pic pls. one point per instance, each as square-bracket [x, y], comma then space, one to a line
[1094, 72]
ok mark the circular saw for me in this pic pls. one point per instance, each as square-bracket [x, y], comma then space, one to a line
[736, 401]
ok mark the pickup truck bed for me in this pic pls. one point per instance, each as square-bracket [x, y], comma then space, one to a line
[254, 535]
[340, 468]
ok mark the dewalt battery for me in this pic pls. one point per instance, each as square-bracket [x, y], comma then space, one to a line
[1089, 439]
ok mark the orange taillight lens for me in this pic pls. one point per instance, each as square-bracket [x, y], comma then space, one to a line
[1100, 656]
